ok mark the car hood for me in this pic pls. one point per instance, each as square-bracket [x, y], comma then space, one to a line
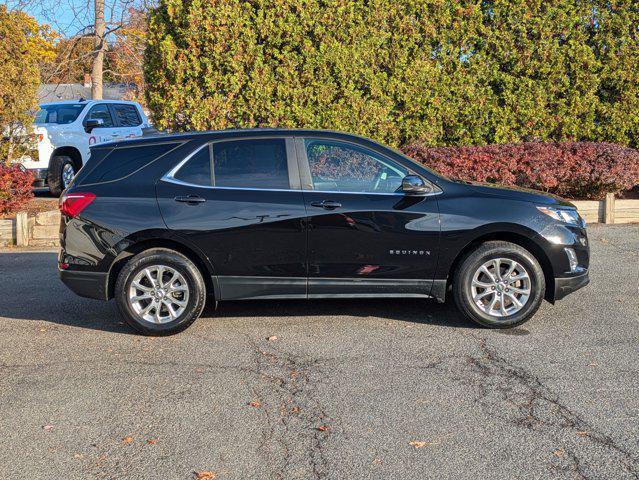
[518, 193]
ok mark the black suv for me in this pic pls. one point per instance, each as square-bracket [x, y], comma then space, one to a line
[160, 223]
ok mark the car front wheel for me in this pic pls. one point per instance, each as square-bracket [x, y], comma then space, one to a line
[499, 285]
[160, 292]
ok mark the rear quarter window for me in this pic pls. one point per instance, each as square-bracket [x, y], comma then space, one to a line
[123, 161]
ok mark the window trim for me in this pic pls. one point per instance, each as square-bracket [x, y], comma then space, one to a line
[305, 169]
[86, 117]
[291, 163]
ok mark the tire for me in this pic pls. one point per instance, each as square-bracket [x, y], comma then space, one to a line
[476, 302]
[56, 173]
[188, 289]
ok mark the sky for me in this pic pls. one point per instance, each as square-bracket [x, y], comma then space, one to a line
[69, 17]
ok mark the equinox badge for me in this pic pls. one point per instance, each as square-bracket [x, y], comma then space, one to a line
[409, 252]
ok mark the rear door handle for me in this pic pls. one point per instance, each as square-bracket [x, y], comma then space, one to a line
[326, 204]
[190, 199]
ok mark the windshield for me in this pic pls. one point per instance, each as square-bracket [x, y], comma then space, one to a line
[58, 113]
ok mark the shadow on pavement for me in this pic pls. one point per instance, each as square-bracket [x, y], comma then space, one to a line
[31, 290]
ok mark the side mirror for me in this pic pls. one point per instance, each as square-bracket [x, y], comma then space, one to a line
[415, 185]
[92, 123]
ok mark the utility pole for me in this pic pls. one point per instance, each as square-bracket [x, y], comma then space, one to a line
[98, 54]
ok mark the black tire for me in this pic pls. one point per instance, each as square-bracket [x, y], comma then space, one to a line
[471, 263]
[54, 173]
[176, 261]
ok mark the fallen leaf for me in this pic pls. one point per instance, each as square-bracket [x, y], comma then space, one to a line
[47, 428]
[204, 475]
[377, 461]
[43, 329]
[582, 433]
[109, 349]
[323, 428]
[151, 441]
[127, 439]
[272, 338]
[255, 404]
[419, 444]
[558, 453]
[78, 455]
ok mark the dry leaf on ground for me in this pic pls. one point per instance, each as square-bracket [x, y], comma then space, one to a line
[127, 439]
[204, 475]
[420, 444]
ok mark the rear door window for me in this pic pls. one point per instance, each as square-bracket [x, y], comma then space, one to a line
[258, 163]
[126, 115]
[197, 170]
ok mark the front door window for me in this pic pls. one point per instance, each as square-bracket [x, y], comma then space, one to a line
[343, 167]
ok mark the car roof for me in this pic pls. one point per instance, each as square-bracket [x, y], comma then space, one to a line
[86, 102]
[237, 133]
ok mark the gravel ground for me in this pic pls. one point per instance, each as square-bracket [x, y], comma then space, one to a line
[349, 389]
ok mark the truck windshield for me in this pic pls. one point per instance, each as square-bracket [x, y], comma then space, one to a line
[58, 113]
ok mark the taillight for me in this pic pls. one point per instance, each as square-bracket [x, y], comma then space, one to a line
[72, 204]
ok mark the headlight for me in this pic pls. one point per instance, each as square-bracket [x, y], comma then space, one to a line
[567, 216]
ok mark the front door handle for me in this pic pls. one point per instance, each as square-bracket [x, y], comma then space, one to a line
[326, 204]
[190, 199]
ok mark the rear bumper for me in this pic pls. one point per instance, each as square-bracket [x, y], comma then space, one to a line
[39, 176]
[567, 285]
[86, 284]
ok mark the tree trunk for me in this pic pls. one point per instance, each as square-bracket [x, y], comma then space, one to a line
[98, 54]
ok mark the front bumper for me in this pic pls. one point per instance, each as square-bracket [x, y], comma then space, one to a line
[86, 284]
[567, 285]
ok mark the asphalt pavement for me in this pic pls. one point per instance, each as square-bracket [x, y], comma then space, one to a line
[383, 389]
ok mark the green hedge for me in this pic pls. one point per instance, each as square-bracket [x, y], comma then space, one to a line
[445, 72]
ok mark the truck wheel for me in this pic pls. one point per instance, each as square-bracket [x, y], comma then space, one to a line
[499, 285]
[61, 172]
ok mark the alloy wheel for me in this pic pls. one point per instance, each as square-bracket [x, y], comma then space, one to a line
[501, 287]
[158, 294]
[68, 172]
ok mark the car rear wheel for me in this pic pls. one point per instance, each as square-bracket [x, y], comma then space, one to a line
[60, 174]
[160, 292]
[499, 285]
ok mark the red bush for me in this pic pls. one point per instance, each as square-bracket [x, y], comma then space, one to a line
[15, 188]
[570, 169]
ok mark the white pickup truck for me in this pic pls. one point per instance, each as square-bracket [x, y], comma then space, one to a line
[65, 131]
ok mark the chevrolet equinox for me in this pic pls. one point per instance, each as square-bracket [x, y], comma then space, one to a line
[159, 223]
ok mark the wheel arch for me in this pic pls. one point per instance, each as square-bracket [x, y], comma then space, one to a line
[133, 249]
[517, 238]
[71, 152]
